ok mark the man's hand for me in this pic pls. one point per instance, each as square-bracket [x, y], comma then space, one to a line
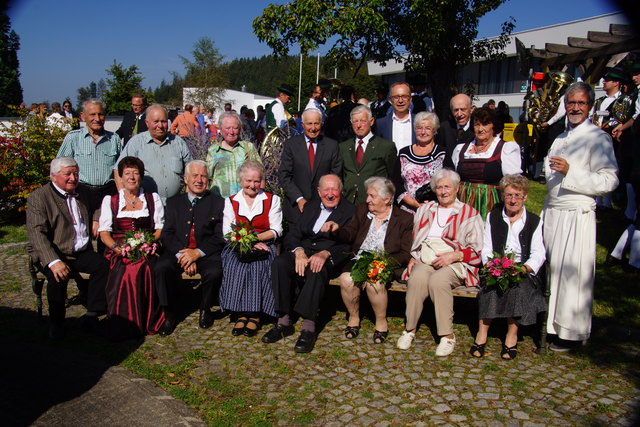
[558, 164]
[544, 125]
[301, 261]
[301, 204]
[317, 261]
[617, 132]
[94, 229]
[192, 269]
[188, 257]
[61, 271]
[329, 226]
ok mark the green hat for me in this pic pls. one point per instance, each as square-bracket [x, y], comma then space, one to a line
[634, 69]
[615, 74]
[324, 83]
[286, 88]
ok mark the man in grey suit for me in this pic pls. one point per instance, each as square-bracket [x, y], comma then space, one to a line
[60, 228]
[305, 159]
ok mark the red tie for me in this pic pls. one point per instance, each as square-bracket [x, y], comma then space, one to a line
[312, 154]
[359, 152]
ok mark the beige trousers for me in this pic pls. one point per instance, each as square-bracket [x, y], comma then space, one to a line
[424, 282]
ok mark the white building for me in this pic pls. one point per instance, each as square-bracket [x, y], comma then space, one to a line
[501, 80]
[236, 98]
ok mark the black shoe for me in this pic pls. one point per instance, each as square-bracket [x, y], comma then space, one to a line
[56, 332]
[611, 261]
[237, 331]
[278, 332]
[168, 326]
[248, 332]
[306, 342]
[90, 322]
[206, 318]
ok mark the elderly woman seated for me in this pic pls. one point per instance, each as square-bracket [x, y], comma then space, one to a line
[511, 229]
[376, 227]
[447, 240]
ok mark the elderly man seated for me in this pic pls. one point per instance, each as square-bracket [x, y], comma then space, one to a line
[308, 260]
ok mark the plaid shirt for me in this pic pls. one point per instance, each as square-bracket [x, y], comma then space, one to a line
[223, 164]
[96, 159]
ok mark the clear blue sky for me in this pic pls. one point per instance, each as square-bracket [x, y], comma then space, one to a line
[66, 44]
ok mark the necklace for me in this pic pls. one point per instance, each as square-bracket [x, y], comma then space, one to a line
[438, 218]
[481, 149]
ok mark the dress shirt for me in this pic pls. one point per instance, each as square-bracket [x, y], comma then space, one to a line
[465, 127]
[56, 120]
[315, 149]
[637, 111]
[602, 112]
[96, 159]
[512, 245]
[105, 223]
[560, 113]
[365, 142]
[163, 163]
[278, 114]
[401, 131]
[322, 218]
[318, 106]
[439, 223]
[510, 157]
[275, 214]
[81, 238]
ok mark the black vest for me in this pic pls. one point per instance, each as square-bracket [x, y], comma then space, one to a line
[500, 229]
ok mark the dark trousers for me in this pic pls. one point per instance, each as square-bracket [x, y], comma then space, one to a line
[167, 276]
[285, 282]
[82, 262]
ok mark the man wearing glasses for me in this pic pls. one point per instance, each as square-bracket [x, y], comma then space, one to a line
[580, 166]
[398, 127]
[133, 122]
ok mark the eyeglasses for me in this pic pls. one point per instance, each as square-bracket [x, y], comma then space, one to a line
[136, 105]
[516, 196]
[399, 97]
[359, 121]
[577, 103]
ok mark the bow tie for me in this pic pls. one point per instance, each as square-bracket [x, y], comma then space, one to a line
[67, 195]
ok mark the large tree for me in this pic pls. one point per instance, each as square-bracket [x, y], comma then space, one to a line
[122, 83]
[206, 73]
[430, 36]
[10, 88]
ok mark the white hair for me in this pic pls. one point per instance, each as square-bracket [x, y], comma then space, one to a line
[61, 162]
[444, 173]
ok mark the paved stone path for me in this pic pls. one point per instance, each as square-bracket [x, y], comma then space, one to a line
[342, 382]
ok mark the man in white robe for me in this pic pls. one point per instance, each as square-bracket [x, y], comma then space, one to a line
[580, 166]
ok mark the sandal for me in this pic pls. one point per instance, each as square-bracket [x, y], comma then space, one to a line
[477, 348]
[511, 352]
[350, 332]
[249, 332]
[379, 336]
[237, 331]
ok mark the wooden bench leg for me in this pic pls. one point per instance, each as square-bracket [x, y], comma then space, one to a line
[37, 284]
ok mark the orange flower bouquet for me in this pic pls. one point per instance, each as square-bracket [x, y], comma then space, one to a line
[372, 267]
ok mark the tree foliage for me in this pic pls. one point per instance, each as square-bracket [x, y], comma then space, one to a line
[260, 75]
[10, 88]
[170, 93]
[206, 72]
[432, 36]
[122, 83]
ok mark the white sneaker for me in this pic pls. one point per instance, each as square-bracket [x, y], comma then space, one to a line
[446, 346]
[405, 340]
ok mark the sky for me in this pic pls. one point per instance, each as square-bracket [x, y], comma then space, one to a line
[66, 44]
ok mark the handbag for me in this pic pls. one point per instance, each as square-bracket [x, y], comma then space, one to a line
[253, 255]
[432, 247]
[425, 194]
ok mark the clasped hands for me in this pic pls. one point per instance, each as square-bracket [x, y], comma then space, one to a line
[441, 260]
[315, 261]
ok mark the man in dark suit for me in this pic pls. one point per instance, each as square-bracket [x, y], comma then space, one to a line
[192, 238]
[398, 127]
[309, 259]
[338, 123]
[458, 131]
[305, 158]
[133, 121]
[381, 105]
[364, 156]
[60, 227]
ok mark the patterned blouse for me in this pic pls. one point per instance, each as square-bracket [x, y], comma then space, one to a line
[374, 242]
[413, 171]
[223, 164]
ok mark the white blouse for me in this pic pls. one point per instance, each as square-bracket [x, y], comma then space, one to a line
[512, 245]
[510, 157]
[275, 213]
[105, 223]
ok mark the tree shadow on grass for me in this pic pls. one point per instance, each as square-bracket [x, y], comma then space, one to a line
[38, 373]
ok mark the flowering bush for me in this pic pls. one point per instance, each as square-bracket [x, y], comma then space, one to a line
[27, 146]
[242, 237]
[372, 267]
[502, 271]
[137, 245]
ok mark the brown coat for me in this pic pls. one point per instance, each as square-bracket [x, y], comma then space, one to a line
[397, 240]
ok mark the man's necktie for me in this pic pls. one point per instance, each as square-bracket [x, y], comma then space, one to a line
[460, 132]
[192, 232]
[312, 154]
[359, 152]
[135, 127]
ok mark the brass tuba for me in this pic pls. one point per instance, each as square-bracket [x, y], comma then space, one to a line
[544, 104]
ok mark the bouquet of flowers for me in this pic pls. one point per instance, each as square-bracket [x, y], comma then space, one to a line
[502, 271]
[137, 245]
[242, 237]
[373, 267]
